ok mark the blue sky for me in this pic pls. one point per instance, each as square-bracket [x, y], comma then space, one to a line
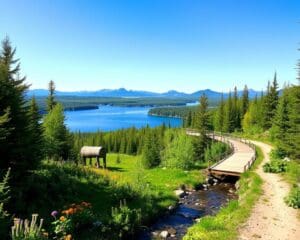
[155, 45]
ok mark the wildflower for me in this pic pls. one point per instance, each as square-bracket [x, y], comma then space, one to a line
[62, 218]
[54, 213]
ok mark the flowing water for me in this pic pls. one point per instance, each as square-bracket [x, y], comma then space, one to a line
[194, 205]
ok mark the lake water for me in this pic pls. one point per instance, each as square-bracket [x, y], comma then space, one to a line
[108, 118]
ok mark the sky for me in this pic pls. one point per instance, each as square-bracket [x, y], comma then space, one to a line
[154, 45]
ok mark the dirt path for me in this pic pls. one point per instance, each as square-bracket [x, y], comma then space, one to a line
[271, 218]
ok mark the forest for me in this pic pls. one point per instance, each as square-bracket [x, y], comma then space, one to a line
[42, 174]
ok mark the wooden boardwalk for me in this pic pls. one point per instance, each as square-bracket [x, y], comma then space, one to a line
[241, 159]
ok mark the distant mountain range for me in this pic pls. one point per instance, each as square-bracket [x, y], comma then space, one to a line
[124, 93]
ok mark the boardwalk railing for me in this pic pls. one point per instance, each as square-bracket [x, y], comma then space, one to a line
[225, 137]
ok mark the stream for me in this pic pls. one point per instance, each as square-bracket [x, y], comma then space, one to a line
[191, 207]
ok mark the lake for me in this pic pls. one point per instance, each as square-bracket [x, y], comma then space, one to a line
[108, 118]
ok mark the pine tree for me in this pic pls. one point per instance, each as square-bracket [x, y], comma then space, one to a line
[219, 115]
[292, 145]
[58, 140]
[16, 151]
[202, 124]
[245, 100]
[36, 132]
[270, 103]
[51, 98]
[151, 150]
[229, 115]
[236, 111]
[281, 123]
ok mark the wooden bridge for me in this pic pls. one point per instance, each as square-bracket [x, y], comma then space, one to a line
[241, 159]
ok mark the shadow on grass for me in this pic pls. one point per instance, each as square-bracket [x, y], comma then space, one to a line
[55, 186]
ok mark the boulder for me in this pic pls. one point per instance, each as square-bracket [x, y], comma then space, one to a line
[179, 193]
[164, 234]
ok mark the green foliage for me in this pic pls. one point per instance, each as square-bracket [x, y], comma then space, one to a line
[4, 198]
[179, 151]
[51, 99]
[202, 125]
[17, 149]
[27, 230]
[293, 199]
[124, 221]
[270, 102]
[151, 151]
[224, 225]
[216, 151]
[75, 218]
[275, 166]
[58, 140]
[118, 159]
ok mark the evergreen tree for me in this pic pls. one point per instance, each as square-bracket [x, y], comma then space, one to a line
[280, 125]
[151, 150]
[36, 132]
[51, 98]
[4, 132]
[229, 115]
[219, 115]
[292, 146]
[202, 124]
[245, 100]
[58, 140]
[236, 111]
[17, 150]
[270, 103]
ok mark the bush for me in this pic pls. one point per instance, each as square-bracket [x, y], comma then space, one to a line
[124, 221]
[293, 199]
[275, 166]
[216, 152]
[73, 219]
[179, 152]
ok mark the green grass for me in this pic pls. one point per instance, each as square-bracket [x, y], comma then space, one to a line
[56, 185]
[225, 224]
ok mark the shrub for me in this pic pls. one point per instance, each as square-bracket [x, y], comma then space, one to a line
[275, 166]
[293, 199]
[28, 230]
[179, 152]
[124, 221]
[73, 219]
[216, 151]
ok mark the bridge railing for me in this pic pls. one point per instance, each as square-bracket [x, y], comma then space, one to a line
[222, 135]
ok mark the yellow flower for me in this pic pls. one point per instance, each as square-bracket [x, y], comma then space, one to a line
[62, 218]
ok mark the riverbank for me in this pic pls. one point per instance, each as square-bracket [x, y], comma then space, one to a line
[225, 224]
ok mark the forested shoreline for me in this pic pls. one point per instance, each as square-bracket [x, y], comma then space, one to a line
[42, 173]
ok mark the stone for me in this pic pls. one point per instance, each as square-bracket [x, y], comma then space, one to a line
[198, 220]
[197, 204]
[154, 234]
[179, 193]
[231, 190]
[171, 207]
[172, 231]
[164, 234]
